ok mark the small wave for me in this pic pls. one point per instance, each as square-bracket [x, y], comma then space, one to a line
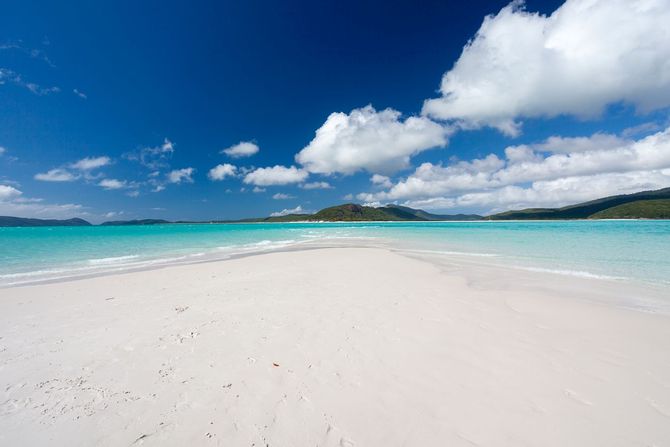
[33, 273]
[112, 260]
[267, 243]
[577, 273]
[457, 253]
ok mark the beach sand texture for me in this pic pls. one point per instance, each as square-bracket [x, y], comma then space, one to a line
[330, 347]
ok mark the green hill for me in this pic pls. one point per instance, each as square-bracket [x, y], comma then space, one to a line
[401, 211]
[8, 221]
[352, 212]
[641, 205]
[640, 209]
[584, 210]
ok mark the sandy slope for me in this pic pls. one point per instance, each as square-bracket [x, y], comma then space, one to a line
[331, 347]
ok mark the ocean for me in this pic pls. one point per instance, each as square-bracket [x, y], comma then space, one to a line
[618, 250]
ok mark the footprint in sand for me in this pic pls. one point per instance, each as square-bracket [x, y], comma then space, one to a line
[12, 405]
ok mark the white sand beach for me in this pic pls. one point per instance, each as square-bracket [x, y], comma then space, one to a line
[332, 347]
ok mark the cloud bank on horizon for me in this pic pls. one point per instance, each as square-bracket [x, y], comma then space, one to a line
[582, 59]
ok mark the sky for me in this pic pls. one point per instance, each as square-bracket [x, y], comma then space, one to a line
[224, 110]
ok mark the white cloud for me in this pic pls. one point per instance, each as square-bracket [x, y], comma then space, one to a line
[2, 150]
[79, 93]
[8, 192]
[431, 180]
[365, 139]
[258, 189]
[10, 76]
[56, 175]
[27, 200]
[66, 175]
[640, 129]
[598, 141]
[554, 174]
[381, 180]
[32, 52]
[275, 175]
[241, 149]
[586, 55]
[297, 210]
[12, 203]
[181, 175]
[566, 191]
[111, 183]
[40, 210]
[316, 185]
[153, 157]
[88, 163]
[220, 172]
[282, 196]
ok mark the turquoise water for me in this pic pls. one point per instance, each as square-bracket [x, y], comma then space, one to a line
[625, 250]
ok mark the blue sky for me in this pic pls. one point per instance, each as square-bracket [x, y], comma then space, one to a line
[551, 103]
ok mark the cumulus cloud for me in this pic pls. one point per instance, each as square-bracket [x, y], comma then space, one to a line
[8, 192]
[316, 185]
[2, 150]
[56, 175]
[181, 175]
[111, 183]
[586, 55]
[297, 210]
[565, 191]
[553, 171]
[241, 149]
[65, 174]
[371, 140]
[220, 172]
[381, 180]
[258, 189]
[89, 163]
[275, 175]
[282, 196]
[12, 203]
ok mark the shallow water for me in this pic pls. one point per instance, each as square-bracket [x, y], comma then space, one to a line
[625, 250]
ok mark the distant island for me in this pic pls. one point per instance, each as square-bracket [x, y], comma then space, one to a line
[8, 221]
[641, 205]
[351, 212]
[136, 222]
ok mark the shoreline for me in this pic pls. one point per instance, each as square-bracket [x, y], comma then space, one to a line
[473, 260]
[346, 346]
